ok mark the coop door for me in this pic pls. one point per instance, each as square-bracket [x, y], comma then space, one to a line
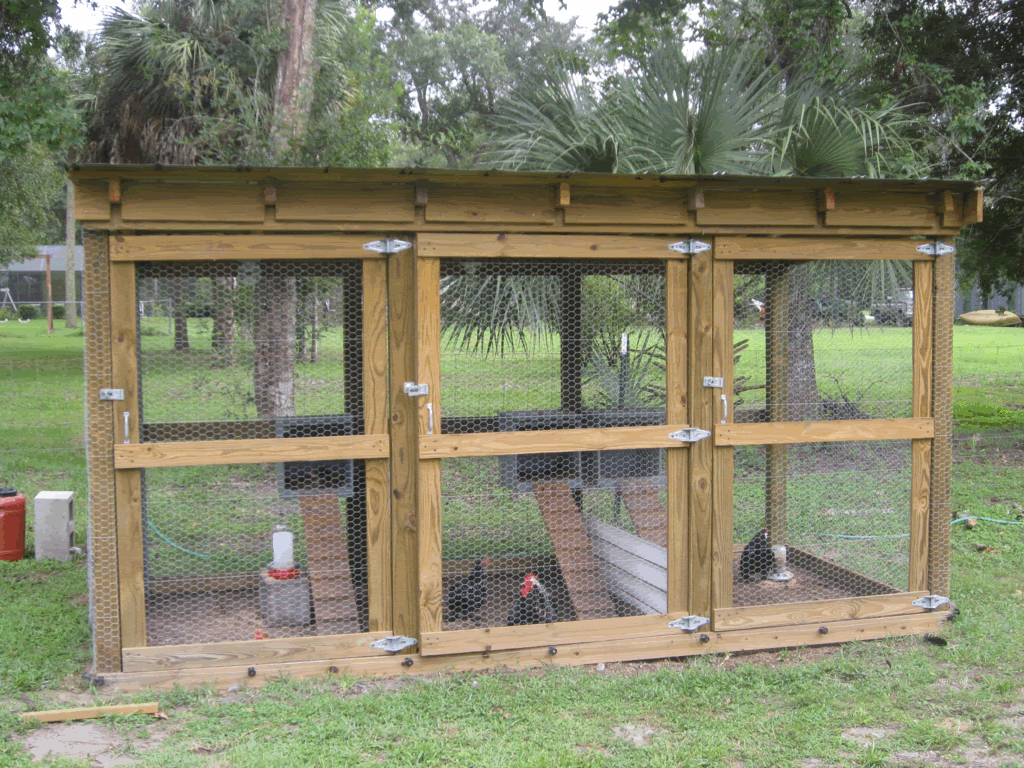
[825, 445]
[546, 460]
[252, 448]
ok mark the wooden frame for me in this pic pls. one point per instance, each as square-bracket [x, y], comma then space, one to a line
[151, 214]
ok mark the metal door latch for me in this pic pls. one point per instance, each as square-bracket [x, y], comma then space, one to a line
[689, 623]
[412, 389]
[714, 382]
[930, 602]
[388, 245]
[111, 394]
[935, 249]
[689, 246]
[393, 644]
[689, 435]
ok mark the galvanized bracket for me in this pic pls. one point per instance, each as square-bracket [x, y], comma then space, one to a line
[689, 246]
[689, 623]
[935, 249]
[393, 644]
[714, 382]
[930, 602]
[111, 394]
[388, 245]
[412, 389]
[689, 435]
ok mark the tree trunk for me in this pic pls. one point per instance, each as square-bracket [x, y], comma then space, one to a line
[180, 316]
[802, 400]
[223, 339]
[70, 282]
[294, 65]
[274, 343]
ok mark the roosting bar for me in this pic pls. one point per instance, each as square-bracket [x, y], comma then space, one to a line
[393, 421]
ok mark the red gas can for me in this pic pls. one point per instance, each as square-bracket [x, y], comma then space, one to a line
[12, 524]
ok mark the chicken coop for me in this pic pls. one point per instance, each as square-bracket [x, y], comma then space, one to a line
[389, 421]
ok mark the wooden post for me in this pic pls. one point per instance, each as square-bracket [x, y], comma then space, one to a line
[942, 412]
[128, 482]
[571, 332]
[70, 276]
[676, 382]
[721, 536]
[921, 450]
[776, 325]
[404, 442]
[702, 415]
[105, 601]
[49, 297]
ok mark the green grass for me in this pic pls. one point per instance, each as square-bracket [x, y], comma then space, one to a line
[780, 709]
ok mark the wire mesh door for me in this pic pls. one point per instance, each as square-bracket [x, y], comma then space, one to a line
[827, 429]
[547, 458]
[252, 437]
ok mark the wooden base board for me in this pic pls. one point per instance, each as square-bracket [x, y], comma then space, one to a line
[654, 647]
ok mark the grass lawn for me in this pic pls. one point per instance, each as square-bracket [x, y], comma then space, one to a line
[895, 702]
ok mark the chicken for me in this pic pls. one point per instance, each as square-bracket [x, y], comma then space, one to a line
[468, 596]
[757, 558]
[533, 605]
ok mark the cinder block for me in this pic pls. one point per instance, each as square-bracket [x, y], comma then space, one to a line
[54, 524]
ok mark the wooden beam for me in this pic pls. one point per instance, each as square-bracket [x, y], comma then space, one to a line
[816, 248]
[765, 207]
[816, 612]
[114, 190]
[548, 441]
[624, 206]
[722, 490]
[838, 574]
[88, 713]
[225, 247]
[823, 431]
[677, 411]
[428, 371]
[520, 246]
[921, 450]
[974, 207]
[826, 199]
[563, 196]
[261, 451]
[863, 208]
[695, 199]
[128, 483]
[940, 481]
[207, 203]
[512, 205]
[331, 201]
[92, 200]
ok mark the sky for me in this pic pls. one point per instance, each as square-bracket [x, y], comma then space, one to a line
[82, 17]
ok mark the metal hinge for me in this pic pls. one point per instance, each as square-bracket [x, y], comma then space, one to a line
[714, 381]
[388, 245]
[689, 435]
[111, 394]
[931, 602]
[689, 246]
[393, 644]
[412, 389]
[689, 623]
[935, 249]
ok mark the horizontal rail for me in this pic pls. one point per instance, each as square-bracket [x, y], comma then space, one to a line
[145, 455]
[817, 611]
[466, 245]
[238, 247]
[787, 432]
[549, 441]
[817, 248]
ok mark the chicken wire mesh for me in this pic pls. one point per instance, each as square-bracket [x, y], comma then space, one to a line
[543, 345]
[252, 350]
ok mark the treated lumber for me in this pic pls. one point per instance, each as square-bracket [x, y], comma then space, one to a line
[286, 649]
[206, 202]
[722, 482]
[644, 507]
[838, 574]
[262, 451]
[921, 449]
[327, 558]
[817, 611]
[817, 248]
[511, 205]
[531, 246]
[604, 651]
[88, 713]
[823, 431]
[677, 411]
[826, 199]
[222, 247]
[331, 201]
[750, 207]
[563, 195]
[973, 207]
[548, 441]
[881, 208]
[942, 411]
[616, 206]
[91, 200]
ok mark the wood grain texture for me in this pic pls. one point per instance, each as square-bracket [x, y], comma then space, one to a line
[722, 483]
[776, 207]
[677, 411]
[532, 246]
[920, 504]
[127, 484]
[548, 441]
[834, 573]
[209, 202]
[702, 414]
[262, 451]
[512, 205]
[922, 338]
[856, 208]
[823, 431]
[91, 201]
[921, 450]
[327, 557]
[428, 371]
[974, 203]
[223, 247]
[817, 248]
[816, 612]
[278, 650]
[327, 201]
[88, 713]
[942, 412]
[616, 206]
[605, 651]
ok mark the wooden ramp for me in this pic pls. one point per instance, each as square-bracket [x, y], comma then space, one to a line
[334, 596]
[573, 552]
[643, 503]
